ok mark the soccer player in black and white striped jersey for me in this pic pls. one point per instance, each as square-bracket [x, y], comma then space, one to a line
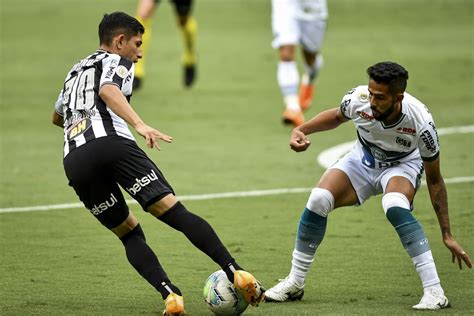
[100, 153]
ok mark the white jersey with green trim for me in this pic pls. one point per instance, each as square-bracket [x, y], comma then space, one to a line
[378, 145]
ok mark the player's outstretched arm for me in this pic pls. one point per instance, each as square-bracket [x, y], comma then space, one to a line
[117, 102]
[439, 200]
[324, 121]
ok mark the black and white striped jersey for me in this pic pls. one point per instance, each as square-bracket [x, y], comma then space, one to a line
[86, 116]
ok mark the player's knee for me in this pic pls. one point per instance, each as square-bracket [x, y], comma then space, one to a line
[136, 232]
[395, 199]
[287, 53]
[320, 201]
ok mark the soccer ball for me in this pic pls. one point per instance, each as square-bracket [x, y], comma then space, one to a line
[221, 297]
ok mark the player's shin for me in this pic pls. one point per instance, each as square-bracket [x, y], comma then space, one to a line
[311, 230]
[288, 80]
[144, 260]
[188, 32]
[199, 232]
[416, 244]
[312, 71]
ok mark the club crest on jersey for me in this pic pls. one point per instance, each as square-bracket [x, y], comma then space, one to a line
[78, 128]
[406, 130]
[378, 153]
[363, 97]
[365, 115]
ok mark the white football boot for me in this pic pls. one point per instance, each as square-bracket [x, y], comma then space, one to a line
[432, 299]
[285, 290]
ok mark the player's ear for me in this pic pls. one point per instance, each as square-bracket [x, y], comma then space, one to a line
[400, 97]
[120, 41]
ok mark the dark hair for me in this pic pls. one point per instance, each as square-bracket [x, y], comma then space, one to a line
[391, 74]
[118, 23]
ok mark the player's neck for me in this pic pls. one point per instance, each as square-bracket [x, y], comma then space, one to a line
[394, 116]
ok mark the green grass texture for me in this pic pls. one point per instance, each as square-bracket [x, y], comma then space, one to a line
[228, 138]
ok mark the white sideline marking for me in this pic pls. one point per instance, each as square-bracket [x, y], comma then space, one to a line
[329, 156]
[325, 159]
[197, 197]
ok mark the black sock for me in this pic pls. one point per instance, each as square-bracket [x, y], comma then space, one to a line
[144, 260]
[200, 233]
[230, 268]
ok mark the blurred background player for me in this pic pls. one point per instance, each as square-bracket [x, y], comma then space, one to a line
[188, 28]
[298, 22]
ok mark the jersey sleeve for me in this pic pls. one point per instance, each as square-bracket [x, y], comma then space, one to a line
[428, 142]
[58, 105]
[347, 104]
[116, 70]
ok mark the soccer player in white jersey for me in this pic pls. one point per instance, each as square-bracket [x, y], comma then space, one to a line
[397, 139]
[297, 22]
[100, 154]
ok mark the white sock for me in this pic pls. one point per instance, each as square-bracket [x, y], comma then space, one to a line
[300, 266]
[288, 80]
[426, 269]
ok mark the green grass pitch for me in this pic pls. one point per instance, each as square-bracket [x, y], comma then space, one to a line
[227, 137]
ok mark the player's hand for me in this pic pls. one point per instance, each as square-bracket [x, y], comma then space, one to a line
[299, 141]
[152, 135]
[457, 252]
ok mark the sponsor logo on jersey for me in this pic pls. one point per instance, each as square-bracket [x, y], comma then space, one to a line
[365, 115]
[111, 71]
[406, 130]
[429, 141]
[402, 141]
[98, 209]
[142, 182]
[435, 130]
[78, 128]
[121, 71]
[363, 97]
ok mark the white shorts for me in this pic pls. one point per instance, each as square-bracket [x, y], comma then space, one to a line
[291, 27]
[368, 182]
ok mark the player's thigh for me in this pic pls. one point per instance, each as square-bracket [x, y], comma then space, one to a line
[96, 188]
[138, 175]
[284, 24]
[126, 226]
[182, 7]
[404, 178]
[338, 183]
[146, 8]
[360, 178]
[312, 35]
[161, 206]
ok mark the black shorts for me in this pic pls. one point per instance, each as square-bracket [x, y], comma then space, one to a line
[182, 7]
[96, 169]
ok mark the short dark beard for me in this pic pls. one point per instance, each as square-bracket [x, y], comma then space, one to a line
[387, 113]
